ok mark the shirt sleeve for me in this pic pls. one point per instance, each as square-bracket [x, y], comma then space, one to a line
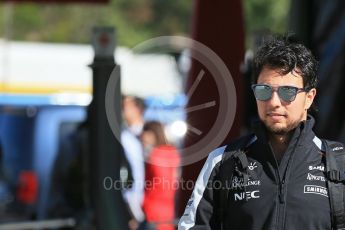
[199, 212]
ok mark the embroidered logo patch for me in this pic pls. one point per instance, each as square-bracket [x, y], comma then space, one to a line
[252, 166]
[319, 190]
[247, 195]
[317, 167]
[239, 183]
[313, 177]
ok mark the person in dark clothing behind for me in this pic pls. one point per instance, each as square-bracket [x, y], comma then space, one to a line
[283, 185]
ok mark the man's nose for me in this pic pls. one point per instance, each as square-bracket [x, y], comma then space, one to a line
[275, 100]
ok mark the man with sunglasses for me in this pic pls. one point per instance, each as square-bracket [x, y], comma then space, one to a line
[274, 178]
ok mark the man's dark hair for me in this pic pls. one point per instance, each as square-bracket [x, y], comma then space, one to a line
[285, 53]
[138, 101]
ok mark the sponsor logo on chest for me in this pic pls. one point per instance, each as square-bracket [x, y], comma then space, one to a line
[337, 149]
[247, 195]
[317, 178]
[317, 167]
[252, 166]
[238, 182]
[314, 189]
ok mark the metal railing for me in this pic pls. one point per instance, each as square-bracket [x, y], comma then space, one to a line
[46, 224]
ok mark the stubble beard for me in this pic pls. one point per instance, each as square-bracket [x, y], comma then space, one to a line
[279, 130]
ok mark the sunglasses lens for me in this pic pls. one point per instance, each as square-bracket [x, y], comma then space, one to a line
[262, 92]
[287, 93]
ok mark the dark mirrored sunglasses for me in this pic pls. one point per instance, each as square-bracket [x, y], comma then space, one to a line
[264, 92]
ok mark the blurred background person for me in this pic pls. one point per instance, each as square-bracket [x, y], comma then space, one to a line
[133, 113]
[161, 176]
[133, 109]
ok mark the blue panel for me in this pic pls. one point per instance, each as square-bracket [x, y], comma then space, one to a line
[16, 138]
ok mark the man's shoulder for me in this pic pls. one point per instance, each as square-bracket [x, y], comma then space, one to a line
[225, 151]
[335, 146]
[241, 143]
[333, 141]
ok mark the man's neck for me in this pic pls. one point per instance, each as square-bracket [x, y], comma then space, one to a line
[136, 127]
[279, 144]
[135, 122]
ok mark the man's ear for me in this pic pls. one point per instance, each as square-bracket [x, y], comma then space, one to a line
[310, 98]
